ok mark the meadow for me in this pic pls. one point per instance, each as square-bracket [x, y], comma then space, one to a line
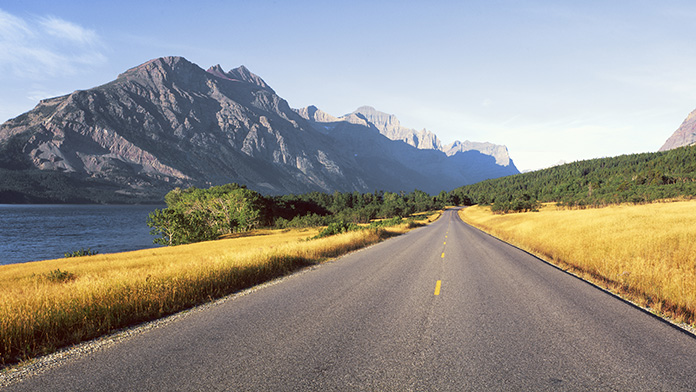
[644, 253]
[50, 304]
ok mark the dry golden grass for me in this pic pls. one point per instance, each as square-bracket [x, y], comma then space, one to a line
[42, 310]
[646, 253]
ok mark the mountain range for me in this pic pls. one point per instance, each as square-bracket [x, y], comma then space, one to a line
[169, 123]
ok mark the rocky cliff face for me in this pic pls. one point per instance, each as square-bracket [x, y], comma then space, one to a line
[420, 154]
[685, 135]
[390, 127]
[498, 152]
[169, 123]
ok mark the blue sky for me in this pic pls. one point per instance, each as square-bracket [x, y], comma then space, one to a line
[552, 80]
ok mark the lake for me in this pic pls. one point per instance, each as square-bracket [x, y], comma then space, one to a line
[40, 232]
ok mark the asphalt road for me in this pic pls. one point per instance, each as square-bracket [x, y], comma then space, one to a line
[444, 307]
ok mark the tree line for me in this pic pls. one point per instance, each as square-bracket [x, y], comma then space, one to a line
[636, 178]
[194, 214]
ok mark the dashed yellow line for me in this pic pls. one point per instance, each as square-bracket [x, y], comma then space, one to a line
[443, 255]
[437, 287]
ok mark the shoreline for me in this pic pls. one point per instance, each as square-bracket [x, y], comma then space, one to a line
[95, 295]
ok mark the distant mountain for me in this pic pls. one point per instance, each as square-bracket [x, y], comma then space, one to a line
[390, 127]
[437, 167]
[685, 135]
[464, 155]
[169, 123]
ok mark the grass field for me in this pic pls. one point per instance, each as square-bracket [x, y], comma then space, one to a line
[646, 253]
[51, 304]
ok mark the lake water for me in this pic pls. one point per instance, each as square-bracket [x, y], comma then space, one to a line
[40, 232]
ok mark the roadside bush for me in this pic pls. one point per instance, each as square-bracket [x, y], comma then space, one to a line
[337, 228]
[387, 222]
[309, 220]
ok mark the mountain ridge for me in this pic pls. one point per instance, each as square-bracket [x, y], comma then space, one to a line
[168, 123]
[390, 126]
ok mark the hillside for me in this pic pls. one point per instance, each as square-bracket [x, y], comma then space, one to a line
[169, 123]
[627, 178]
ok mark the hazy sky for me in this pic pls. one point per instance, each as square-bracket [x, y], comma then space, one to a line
[552, 80]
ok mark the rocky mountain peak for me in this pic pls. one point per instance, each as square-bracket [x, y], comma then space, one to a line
[315, 114]
[685, 135]
[218, 71]
[243, 74]
[389, 126]
[239, 74]
[499, 152]
[163, 66]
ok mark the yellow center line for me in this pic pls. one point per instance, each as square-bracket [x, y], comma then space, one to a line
[443, 255]
[437, 287]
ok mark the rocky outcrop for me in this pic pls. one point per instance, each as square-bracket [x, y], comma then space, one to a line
[500, 153]
[312, 113]
[685, 135]
[390, 127]
[169, 123]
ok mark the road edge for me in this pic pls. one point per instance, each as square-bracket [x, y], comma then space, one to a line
[681, 327]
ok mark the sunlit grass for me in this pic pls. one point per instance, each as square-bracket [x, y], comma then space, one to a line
[50, 304]
[646, 253]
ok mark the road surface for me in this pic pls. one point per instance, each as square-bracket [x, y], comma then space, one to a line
[442, 308]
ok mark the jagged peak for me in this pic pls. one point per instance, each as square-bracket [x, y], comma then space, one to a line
[381, 120]
[242, 70]
[168, 63]
[308, 112]
[180, 65]
[315, 114]
[455, 144]
[498, 151]
[356, 118]
[242, 73]
[366, 109]
[217, 70]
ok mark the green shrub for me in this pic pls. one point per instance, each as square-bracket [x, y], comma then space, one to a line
[81, 252]
[337, 228]
[387, 222]
[58, 276]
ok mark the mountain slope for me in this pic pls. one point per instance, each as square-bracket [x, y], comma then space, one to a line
[685, 135]
[169, 123]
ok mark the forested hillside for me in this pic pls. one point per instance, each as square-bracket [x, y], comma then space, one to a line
[628, 178]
